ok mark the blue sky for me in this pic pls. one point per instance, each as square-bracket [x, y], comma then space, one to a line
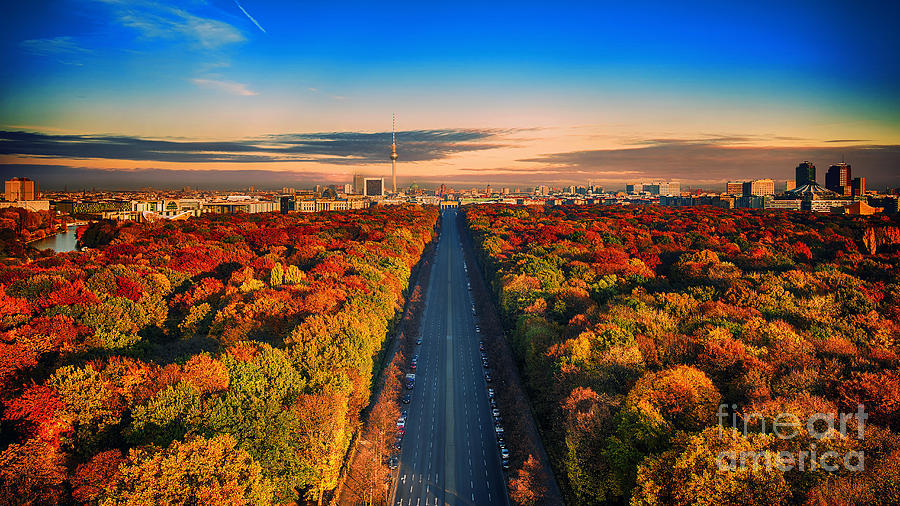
[535, 80]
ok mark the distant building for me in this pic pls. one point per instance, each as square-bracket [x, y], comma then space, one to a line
[670, 188]
[783, 204]
[31, 205]
[862, 208]
[634, 188]
[759, 188]
[858, 187]
[20, 188]
[368, 186]
[889, 203]
[735, 188]
[838, 178]
[287, 204]
[806, 173]
[823, 205]
[789, 185]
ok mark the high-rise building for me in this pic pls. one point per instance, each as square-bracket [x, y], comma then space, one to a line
[373, 187]
[858, 187]
[806, 173]
[634, 188]
[838, 178]
[760, 187]
[669, 188]
[734, 188]
[21, 188]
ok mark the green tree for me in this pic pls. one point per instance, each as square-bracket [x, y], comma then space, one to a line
[199, 471]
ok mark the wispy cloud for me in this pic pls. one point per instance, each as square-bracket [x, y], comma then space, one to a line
[226, 86]
[251, 18]
[160, 21]
[53, 46]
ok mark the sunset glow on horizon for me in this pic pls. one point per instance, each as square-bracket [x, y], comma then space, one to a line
[508, 94]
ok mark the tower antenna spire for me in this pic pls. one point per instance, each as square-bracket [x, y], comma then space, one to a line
[394, 155]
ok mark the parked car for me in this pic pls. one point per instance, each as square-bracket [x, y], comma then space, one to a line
[419, 341]
[393, 463]
[406, 399]
[487, 376]
[491, 393]
[495, 412]
[505, 463]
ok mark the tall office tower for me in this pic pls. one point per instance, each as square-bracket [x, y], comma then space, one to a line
[837, 179]
[858, 186]
[669, 188]
[806, 173]
[20, 188]
[759, 188]
[394, 155]
[734, 188]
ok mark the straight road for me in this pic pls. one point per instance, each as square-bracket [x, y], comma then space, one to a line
[449, 452]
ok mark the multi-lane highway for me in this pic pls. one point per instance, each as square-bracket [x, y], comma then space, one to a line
[449, 452]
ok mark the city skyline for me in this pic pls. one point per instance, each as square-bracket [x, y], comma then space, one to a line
[138, 93]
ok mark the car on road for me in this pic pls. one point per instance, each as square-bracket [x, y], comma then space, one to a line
[406, 399]
[419, 341]
[478, 329]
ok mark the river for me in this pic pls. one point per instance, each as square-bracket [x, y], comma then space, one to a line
[61, 242]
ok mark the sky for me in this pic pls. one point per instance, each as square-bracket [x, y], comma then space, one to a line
[211, 93]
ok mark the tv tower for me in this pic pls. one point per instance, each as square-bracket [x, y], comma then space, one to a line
[394, 152]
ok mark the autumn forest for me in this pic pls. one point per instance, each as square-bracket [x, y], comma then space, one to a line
[634, 325]
[232, 359]
[221, 360]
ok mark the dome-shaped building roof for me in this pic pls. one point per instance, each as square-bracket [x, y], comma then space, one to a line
[810, 190]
